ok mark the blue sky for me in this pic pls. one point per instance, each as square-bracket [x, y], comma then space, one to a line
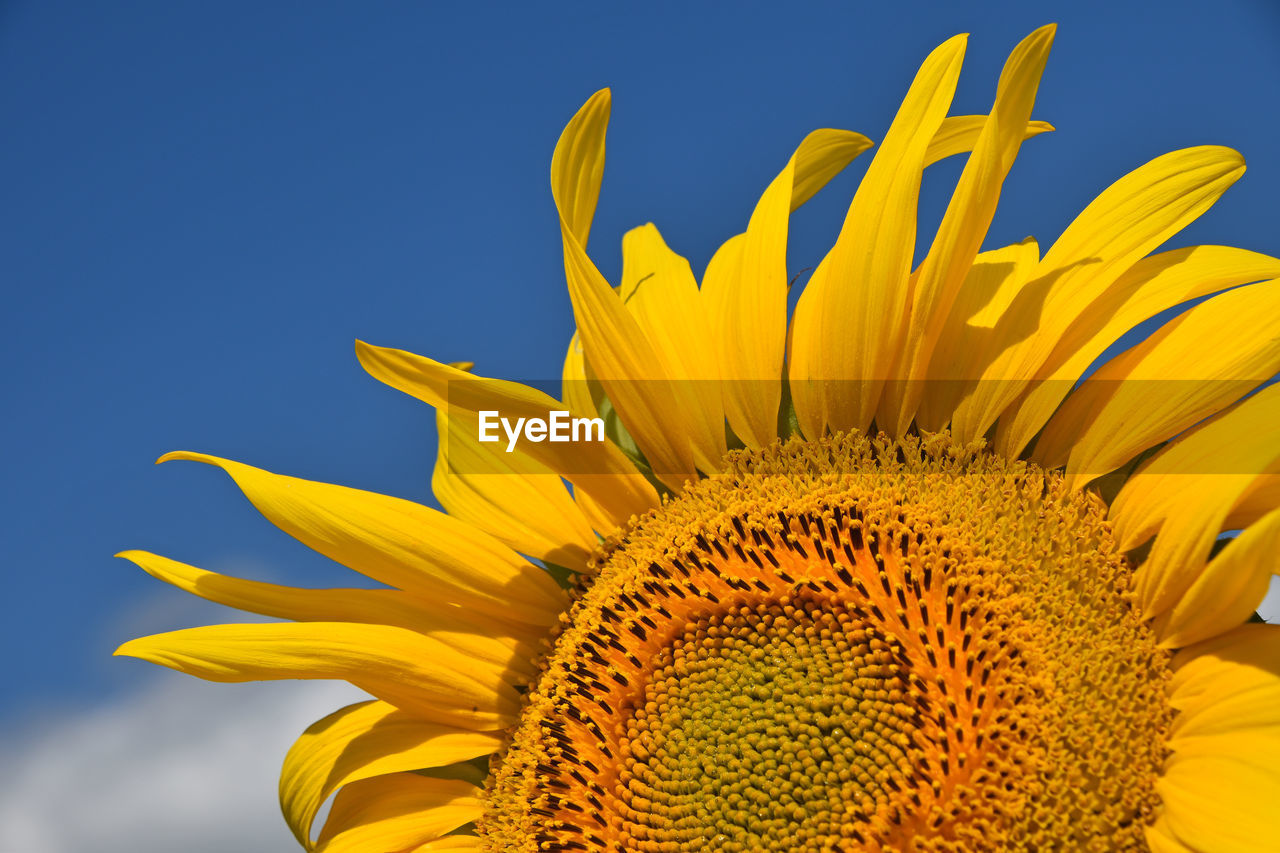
[205, 204]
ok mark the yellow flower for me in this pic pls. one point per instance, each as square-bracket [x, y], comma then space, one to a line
[878, 575]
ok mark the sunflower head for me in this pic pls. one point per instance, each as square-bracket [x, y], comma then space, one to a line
[881, 572]
[840, 642]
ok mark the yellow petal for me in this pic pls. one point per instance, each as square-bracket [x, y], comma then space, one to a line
[512, 497]
[1195, 365]
[1129, 219]
[720, 282]
[963, 228]
[573, 382]
[1187, 537]
[660, 291]
[400, 543]
[362, 741]
[853, 328]
[822, 155]
[599, 468]
[1229, 589]
[397, 811]
[375, 606]
[595, 513]
[652, 403]
[1189, 489]
[416, 673]
[1152, 285]
[451, 842]
[959, 134]
[1210, 449]
[577, 395]
[1262, 497]
[803, 362]
[1160, 842]
[1229, 683]
[1219, 792]
[749, 296]
[969, 338]
[578, 167]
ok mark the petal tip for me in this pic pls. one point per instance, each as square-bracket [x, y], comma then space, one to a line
[129, 649]
[188, 455]
[364, 349]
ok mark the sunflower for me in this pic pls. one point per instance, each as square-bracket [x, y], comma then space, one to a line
[876, 572]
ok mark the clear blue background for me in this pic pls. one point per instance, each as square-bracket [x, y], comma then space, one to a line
[204, 204]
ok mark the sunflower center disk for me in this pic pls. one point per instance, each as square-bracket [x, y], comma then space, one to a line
[846, 645]
[805, 692]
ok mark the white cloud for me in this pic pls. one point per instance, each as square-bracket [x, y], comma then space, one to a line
[179, 766]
